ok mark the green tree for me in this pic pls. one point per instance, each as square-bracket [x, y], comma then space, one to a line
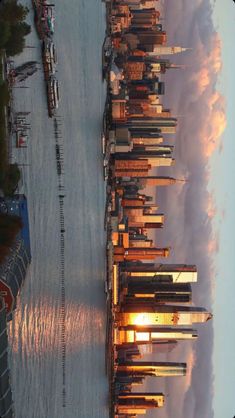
[11, 179]
[16, 41]
[5, 32]
[22, 28]
[4, 94]
[10, 227]
[13, 12]
[4, 252]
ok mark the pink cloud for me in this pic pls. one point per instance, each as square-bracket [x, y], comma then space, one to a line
[191, 209]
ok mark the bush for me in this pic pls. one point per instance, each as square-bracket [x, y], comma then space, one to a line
[11, 180]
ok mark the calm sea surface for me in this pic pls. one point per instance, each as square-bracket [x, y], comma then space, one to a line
[35, 332]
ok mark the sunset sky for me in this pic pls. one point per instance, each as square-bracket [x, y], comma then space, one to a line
[222, 184]
[200, 222]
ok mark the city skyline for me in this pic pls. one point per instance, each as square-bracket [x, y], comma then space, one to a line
[167, 144]
[136, 113]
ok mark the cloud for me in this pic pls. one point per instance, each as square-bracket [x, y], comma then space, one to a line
[191, 361]
[202, 79]
[192, 94]
[213, 245]
[210, 207]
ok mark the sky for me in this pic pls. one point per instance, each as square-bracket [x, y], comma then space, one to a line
[199, 215]
[221, 182]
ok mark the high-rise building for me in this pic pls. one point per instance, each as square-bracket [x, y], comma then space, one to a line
[138, 4]
[152, 124]
[139, 218]
[121, 18]
[146, 39]
[146, 152]
[167, 50]
[131, 168]
[153, 65]
[138, 403]
[145, 18]
[135, 334]
[130, 254]
[140, 167]
[150, 37]
[171, 273]
[146, 368]
[160, 292]
[159, 181]
[163, 315]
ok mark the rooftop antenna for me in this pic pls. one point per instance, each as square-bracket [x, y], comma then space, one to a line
[181, 66]
[182, 180]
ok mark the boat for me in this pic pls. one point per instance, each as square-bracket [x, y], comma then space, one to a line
[52, 95]
[106, 55]
[106, 172]
[20, 73]
[21, 139]
[103, 139]
[44, 18]
[49, 58]
[21, 129]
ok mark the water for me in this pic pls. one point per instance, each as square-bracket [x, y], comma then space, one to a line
[35, 334]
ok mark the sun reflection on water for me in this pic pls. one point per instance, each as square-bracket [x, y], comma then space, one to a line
[36, 329]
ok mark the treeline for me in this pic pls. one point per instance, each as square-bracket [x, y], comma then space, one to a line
[9, 181]
[13, 27]
[9, 173]
[10, 227]
[4, 100]
[13, 30]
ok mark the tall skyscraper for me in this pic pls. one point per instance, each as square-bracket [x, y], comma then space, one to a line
[159, 181]
[122, 254]
[163, 315]
[146, 368]
[138, 403]
[138, 289]
[153, 334]
[167, 50]
[172, 273]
